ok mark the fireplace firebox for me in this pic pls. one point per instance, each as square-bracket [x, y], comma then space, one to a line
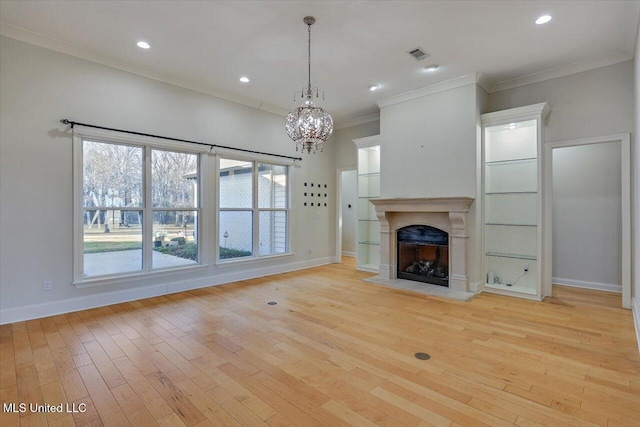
[423, 254]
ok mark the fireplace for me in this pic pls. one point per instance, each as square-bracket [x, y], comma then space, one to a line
[423, 254]
[448, 215]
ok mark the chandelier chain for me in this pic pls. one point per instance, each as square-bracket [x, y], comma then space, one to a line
[309, 59]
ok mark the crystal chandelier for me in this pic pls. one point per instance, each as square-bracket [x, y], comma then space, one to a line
[309, 126]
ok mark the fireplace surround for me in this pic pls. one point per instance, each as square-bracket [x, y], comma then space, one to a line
[449, 214]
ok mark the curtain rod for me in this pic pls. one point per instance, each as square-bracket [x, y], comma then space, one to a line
[212, 146]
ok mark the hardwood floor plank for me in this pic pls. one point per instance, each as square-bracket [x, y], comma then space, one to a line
[188, 413]
[108, 409]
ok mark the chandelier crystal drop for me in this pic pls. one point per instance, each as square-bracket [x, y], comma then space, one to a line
[309, 126]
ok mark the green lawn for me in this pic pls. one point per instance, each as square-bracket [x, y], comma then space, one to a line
[97, 247]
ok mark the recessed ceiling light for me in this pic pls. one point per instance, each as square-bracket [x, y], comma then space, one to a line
[143, 45]
[543, 19]
[431, 68]
[244, 79]
[375, 87]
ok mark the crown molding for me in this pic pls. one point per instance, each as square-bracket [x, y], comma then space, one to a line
[358, 121]
[431, 89]
[565, 70]
[50, 43]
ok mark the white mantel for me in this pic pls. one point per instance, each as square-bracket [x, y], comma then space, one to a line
[446, 213]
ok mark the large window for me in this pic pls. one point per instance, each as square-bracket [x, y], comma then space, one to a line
[253, 209]
[139, 209]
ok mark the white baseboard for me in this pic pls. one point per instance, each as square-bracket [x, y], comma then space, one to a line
[36, 311]
[635, 307]
[476, 287]
[610, 287]
[345, 253]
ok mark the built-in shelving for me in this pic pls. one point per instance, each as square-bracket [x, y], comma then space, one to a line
[368, 248]
[515, 256]
[512, 214]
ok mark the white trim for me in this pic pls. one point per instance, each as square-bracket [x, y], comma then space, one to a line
[476, 287]
[515, 114]
[359, 121]
[565, 70]
[430, 90]
[367, 141]
[635, 302]
[351, 254]
[609, 287]
[339, 252]
[36, 311]
[112, 136]
[250, 157]
[625, 179]
[46, 42]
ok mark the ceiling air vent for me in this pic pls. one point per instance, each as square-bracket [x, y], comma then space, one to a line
[418, 53]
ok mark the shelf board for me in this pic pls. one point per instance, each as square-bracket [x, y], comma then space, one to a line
[372, 220]
[369, 174]
[511, 225]
[369, 243]
[517, 289]
[369, 197]
[506, 162]
[515, 256]
[510, 192]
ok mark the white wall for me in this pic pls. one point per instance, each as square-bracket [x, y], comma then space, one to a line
[346, 153]
[429, 145]
[39, 87]
[635, 187]
[592, 103]
[349, 220]
[587, 201]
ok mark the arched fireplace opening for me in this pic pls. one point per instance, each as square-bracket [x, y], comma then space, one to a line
[423, 254]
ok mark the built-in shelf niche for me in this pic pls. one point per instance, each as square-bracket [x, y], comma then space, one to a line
[368, 236]
[512, 212]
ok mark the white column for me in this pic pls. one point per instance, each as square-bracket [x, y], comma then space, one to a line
[458, 275]
[386, 270]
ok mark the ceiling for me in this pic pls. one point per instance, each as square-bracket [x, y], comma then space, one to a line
[208, 45]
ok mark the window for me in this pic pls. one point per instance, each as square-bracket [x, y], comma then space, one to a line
[174, 194]
[113, 212]
[139, 209]
[253, 209]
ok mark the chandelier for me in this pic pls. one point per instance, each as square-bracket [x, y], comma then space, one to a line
[309, 126]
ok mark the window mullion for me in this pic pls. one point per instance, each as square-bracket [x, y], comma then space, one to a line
[256, 214]
[147, 213]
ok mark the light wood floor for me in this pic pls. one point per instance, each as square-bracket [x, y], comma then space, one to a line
[333, 351]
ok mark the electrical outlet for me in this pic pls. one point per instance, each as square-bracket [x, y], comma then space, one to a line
[46, 285]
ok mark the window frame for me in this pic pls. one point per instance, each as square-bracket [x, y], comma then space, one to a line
[255, 160]
[147, 144]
